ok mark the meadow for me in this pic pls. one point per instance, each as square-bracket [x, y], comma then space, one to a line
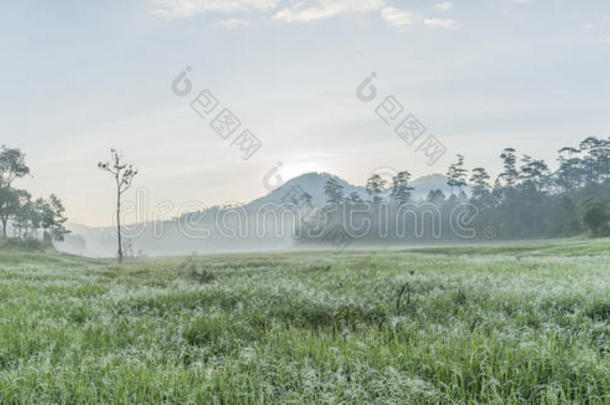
[511, 323]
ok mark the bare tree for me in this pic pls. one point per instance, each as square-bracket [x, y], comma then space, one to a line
[123, 174]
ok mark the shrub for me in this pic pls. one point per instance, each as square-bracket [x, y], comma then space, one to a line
[197, 271]
[595, 218]
[26, 244]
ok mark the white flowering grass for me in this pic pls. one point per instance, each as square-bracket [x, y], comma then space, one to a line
[496, 324]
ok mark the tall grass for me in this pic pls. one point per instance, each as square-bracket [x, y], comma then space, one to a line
[361, 327]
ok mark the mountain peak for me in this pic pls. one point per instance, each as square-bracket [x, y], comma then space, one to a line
[313, 184]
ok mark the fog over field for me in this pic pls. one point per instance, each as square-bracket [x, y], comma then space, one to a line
[261, 231]
[305, 202]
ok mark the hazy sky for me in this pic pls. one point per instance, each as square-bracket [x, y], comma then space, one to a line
[79, 77]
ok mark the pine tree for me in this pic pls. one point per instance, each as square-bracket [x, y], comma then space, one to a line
[435, 196]
[480, 184]
[456, 175]
[510, 174]
[375, 185]
[333, 191]
[355, 198]
[401, 191]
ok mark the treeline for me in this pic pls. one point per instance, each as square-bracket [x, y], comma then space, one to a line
[22, 217]
[526, 200]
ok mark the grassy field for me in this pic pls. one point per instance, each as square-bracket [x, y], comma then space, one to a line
[496, 324]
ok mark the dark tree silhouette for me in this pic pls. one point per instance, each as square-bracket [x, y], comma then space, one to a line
[333, 191]
[401, 191]
[12, 166]
[435, 196]
[527, 199]
[375, 185]
[355, 198]
[510, 173]
[480, 184]
[595, 218]
[456, 175]
[9, 206]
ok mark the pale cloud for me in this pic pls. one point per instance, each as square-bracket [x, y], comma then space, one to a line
[444, 6]
[301, 11]
[444, 23]
[522, 1]
[397, 18]
[314, 10]
[401, 19]
[233, 23]
[589, 26]
[172, 9]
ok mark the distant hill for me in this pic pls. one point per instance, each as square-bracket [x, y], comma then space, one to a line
[102, 241]
[313, 183]
[423, 185]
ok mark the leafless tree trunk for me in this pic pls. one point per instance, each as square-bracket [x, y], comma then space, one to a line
[123, 175]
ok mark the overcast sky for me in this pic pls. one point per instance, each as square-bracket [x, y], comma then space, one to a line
[80, 77]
